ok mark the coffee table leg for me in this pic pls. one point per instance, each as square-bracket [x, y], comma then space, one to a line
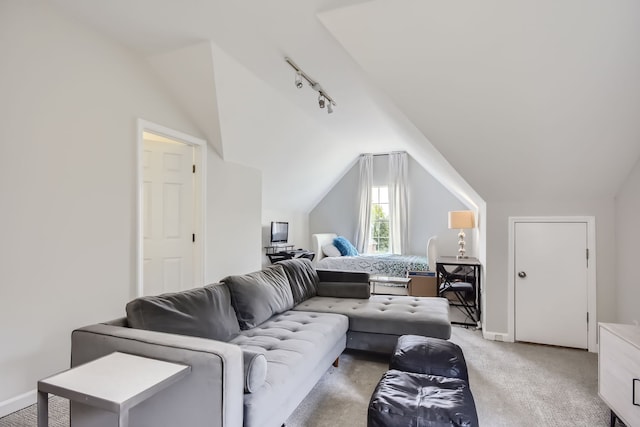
[123, 420]
[43, 409]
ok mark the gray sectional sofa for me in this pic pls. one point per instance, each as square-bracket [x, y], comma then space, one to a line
[256, 343]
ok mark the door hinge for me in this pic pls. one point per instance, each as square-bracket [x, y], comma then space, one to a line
[193, 237]
[587, 317]
[194, 168]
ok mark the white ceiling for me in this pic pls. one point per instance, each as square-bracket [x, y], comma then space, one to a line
[524, 98]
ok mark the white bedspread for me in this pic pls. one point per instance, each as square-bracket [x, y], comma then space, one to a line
[385, 264]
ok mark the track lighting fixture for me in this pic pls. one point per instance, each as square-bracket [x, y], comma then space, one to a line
[323, 97]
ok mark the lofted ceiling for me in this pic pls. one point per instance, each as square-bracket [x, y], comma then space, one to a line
[522, 98]
[525, 98]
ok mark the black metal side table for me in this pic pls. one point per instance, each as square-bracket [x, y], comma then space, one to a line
[467, 271]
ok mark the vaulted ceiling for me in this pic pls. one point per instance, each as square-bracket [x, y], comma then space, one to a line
[522, 98]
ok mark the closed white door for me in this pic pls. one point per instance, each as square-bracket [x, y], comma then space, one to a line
[551, 283]
[168, 217]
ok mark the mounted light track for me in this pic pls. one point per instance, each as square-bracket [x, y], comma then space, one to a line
[323, 97]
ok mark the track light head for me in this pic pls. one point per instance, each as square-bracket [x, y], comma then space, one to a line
[299, 80]
[323, 98]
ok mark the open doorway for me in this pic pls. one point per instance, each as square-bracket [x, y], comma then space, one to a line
[171, 171]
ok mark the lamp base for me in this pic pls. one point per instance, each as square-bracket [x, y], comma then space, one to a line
[461, 250]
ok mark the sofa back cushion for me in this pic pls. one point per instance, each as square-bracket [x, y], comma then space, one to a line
[258, 296]
[303, 278]
[200, 312]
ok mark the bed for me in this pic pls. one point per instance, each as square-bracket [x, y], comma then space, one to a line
[381, 264]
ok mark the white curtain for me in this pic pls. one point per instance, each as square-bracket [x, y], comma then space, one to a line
[398, 210]
[364, 218]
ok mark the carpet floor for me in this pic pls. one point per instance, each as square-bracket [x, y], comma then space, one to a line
[514, 384]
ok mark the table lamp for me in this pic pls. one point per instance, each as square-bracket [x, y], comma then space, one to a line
[461, 220]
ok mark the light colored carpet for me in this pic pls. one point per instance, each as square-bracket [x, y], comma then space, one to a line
[513, 385]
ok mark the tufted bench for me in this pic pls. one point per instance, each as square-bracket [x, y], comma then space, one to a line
[376, 323]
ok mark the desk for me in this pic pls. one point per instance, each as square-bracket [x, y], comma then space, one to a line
[116, 383]
[469, 275]
[300, 253]
[270, 250]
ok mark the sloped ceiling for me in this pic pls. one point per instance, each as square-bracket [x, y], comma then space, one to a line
[523, 98]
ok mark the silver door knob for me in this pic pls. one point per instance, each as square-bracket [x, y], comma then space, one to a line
[522, 274]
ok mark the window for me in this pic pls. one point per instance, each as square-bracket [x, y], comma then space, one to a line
[379, 242]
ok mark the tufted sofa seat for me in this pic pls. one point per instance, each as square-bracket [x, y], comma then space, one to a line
[376, 323]
[290, 343]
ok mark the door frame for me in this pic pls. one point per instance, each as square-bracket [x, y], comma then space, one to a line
[200, 191]
[592, 325]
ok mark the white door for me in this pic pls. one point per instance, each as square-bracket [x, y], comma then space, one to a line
[168, 216]
[551, 283]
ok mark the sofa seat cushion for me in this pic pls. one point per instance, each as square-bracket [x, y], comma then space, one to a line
[391, 315]
[294, 343]
[259, 295]
[204, 312]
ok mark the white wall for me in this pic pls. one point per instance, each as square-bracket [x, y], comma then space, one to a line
[627, 204]
[233, 228]
[495, 283]
[70, 101]
[337, 212]
[429, 206]
[429, 203]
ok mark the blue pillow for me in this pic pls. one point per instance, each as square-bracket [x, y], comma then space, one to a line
[345, 247]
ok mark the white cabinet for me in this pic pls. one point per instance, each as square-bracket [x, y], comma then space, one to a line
[619, 371]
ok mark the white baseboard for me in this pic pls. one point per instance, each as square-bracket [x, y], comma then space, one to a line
[14, 404]
[495, 336]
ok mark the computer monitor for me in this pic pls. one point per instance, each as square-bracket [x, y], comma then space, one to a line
[279, 232]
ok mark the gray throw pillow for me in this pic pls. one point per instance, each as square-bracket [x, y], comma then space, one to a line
[255, 370]
[303, 278]
[200, 312]
[258, 296]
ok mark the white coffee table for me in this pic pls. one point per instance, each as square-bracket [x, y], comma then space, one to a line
[116, 382]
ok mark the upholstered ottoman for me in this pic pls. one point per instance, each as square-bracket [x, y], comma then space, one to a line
[407, 399]
[427, 355]
[426, 386]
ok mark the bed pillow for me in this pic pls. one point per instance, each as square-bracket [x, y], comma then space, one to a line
[330, 250]
[345, 247]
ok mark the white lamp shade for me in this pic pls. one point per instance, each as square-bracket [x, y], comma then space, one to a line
[461, 219]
